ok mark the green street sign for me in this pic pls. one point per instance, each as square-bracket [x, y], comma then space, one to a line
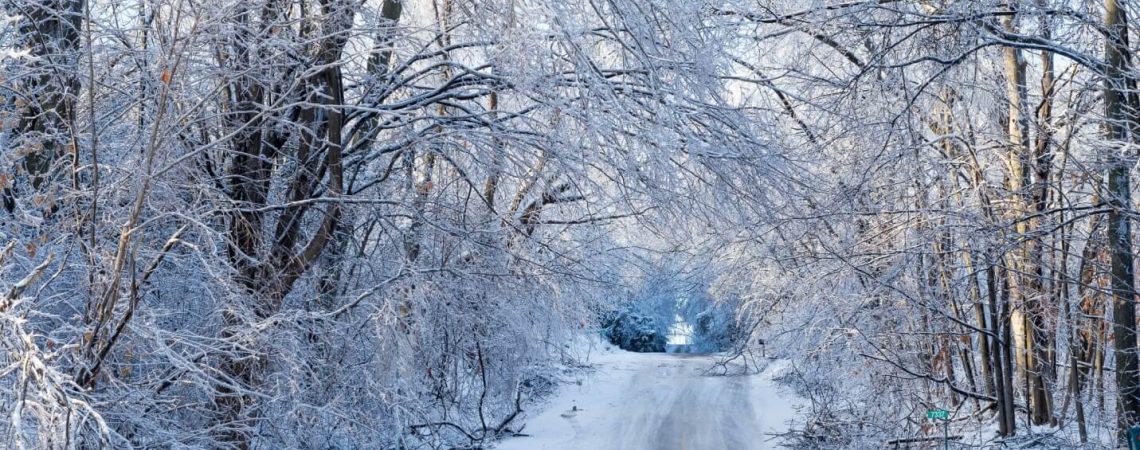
[938, 414]
[943, 415]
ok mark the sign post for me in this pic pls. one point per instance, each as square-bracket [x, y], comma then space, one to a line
[1134, 438]
[944, 416]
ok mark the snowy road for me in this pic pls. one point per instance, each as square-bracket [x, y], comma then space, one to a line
[658, 402]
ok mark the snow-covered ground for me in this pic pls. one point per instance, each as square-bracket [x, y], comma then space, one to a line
[657, 401]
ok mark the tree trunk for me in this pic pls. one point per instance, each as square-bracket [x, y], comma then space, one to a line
[1003, 376]
[1032, 345]
[1119, 116]
[984, 356]
[332, 266]
[50, 30]
[270, 259]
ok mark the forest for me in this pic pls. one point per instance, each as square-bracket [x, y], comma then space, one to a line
[382, 224]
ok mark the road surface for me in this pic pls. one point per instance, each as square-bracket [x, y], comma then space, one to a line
[658, 402]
